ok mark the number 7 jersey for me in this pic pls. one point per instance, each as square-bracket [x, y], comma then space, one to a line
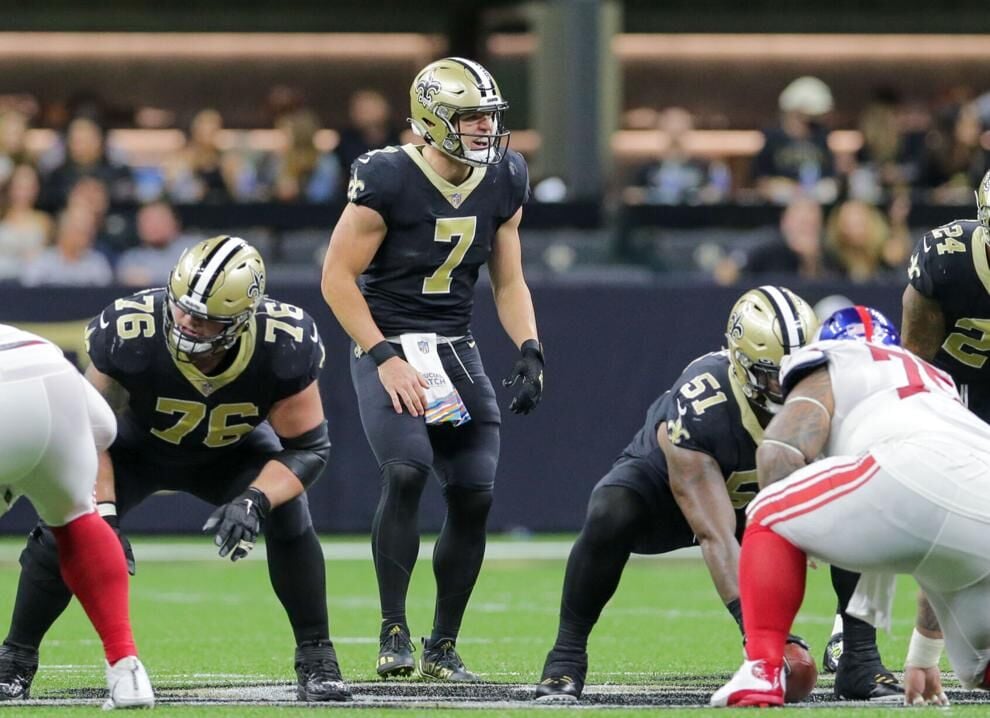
[438, 235]
[182, 412]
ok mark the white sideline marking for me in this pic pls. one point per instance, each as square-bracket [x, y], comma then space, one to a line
[497, 550]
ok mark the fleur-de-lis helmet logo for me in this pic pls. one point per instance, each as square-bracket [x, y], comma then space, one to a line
[427, 88]
[736, 326]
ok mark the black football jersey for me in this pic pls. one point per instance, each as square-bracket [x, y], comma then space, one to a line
[185, 412]
[439, 235]
[949, 265]
[706, 411]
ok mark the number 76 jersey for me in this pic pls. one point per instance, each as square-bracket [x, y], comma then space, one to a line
[882, 394]
[438, 235]
[181, 412]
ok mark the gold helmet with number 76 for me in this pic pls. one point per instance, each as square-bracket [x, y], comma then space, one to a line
[764, 325]
[449, 89]
[222, 280]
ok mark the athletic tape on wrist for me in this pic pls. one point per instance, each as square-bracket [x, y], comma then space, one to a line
[924, 652]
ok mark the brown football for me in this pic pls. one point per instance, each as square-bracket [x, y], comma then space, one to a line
[802, 673]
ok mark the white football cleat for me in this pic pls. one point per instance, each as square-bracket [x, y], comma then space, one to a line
[754, 684]
[129, 685]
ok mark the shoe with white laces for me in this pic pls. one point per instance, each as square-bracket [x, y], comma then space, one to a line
[754, 684]
[129, 685]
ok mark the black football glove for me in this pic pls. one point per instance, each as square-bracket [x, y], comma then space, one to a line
[791, 638]
[108, 510]
[528, 374]
[238, 523]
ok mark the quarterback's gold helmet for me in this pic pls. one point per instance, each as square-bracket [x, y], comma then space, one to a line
[983, 204]
[448, 89]
[221, 279]
[765, 324]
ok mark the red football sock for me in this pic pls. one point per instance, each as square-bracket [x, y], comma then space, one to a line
[771, 588]
[94, 569]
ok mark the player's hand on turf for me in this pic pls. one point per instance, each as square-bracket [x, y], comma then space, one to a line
[114, 522]
[238, 523]
[527, 376]
[923, 686]
[404, 385]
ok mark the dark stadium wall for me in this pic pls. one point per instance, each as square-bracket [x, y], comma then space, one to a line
[610, 351]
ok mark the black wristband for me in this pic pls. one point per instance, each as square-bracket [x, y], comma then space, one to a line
[735, 608]
[382, 352]
[260, 500]
[532, 346]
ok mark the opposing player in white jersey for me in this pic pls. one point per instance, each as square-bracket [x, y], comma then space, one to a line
[52, 422]
[905, 477]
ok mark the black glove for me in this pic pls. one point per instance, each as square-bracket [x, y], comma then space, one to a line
[791, 638]
[528, 369]
[108, 510]
[238, 523]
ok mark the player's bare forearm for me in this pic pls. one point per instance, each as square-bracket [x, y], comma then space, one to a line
[114, 394]
[515, 311]
[278, 483]
[926, 621]
[799, 432]
[922, 324]
[355, 241]
[699, 490]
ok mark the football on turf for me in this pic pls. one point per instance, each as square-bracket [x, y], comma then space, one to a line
[802, 673]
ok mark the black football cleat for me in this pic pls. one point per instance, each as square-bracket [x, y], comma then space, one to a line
[17, 668]
[833, 651]
[563, 678]
[440, 661]
[395, 654]
[318, 676]
[861, 676]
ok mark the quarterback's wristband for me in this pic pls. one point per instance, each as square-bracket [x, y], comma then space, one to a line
[106, 508]
[532, 346]
[924, 652]
[382, 352]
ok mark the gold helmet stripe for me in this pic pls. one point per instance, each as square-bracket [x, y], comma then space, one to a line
[480, 74]
[212, 265]
[787, 316]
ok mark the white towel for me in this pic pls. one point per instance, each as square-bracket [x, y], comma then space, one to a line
[443, 403]
[873, 599]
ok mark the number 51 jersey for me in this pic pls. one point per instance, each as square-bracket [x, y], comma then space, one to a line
[183, 413]
[438, 235]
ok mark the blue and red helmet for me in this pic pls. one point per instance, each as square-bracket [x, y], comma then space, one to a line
[862, 324]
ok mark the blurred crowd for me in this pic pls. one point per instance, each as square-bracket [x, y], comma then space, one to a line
[80, 212]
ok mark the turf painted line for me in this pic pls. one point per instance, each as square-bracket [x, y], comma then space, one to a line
[497, 550]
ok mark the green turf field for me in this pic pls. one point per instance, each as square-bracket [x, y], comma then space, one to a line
[212, 631]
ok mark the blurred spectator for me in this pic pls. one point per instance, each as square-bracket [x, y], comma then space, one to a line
[370, 127]
[72, 261]
[196, 173]
[797, 249]
[856, 235]
[795, 156]
[300, 172]
[24, 230]
[955, 159]
[87, 157]
[13, 150]
[114, 232]
[162, 242]
[892, 153]
[677, 177]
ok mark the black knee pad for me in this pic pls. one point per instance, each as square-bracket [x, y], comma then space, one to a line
[614, 512]
[468, 504]
[39, 559]
[404, 479]
[290, 520]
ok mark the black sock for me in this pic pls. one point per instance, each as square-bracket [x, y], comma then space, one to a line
[457, 557]
[395, 538]
[857, 635]
[596, 563]
[298, 574]
[42, 595]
